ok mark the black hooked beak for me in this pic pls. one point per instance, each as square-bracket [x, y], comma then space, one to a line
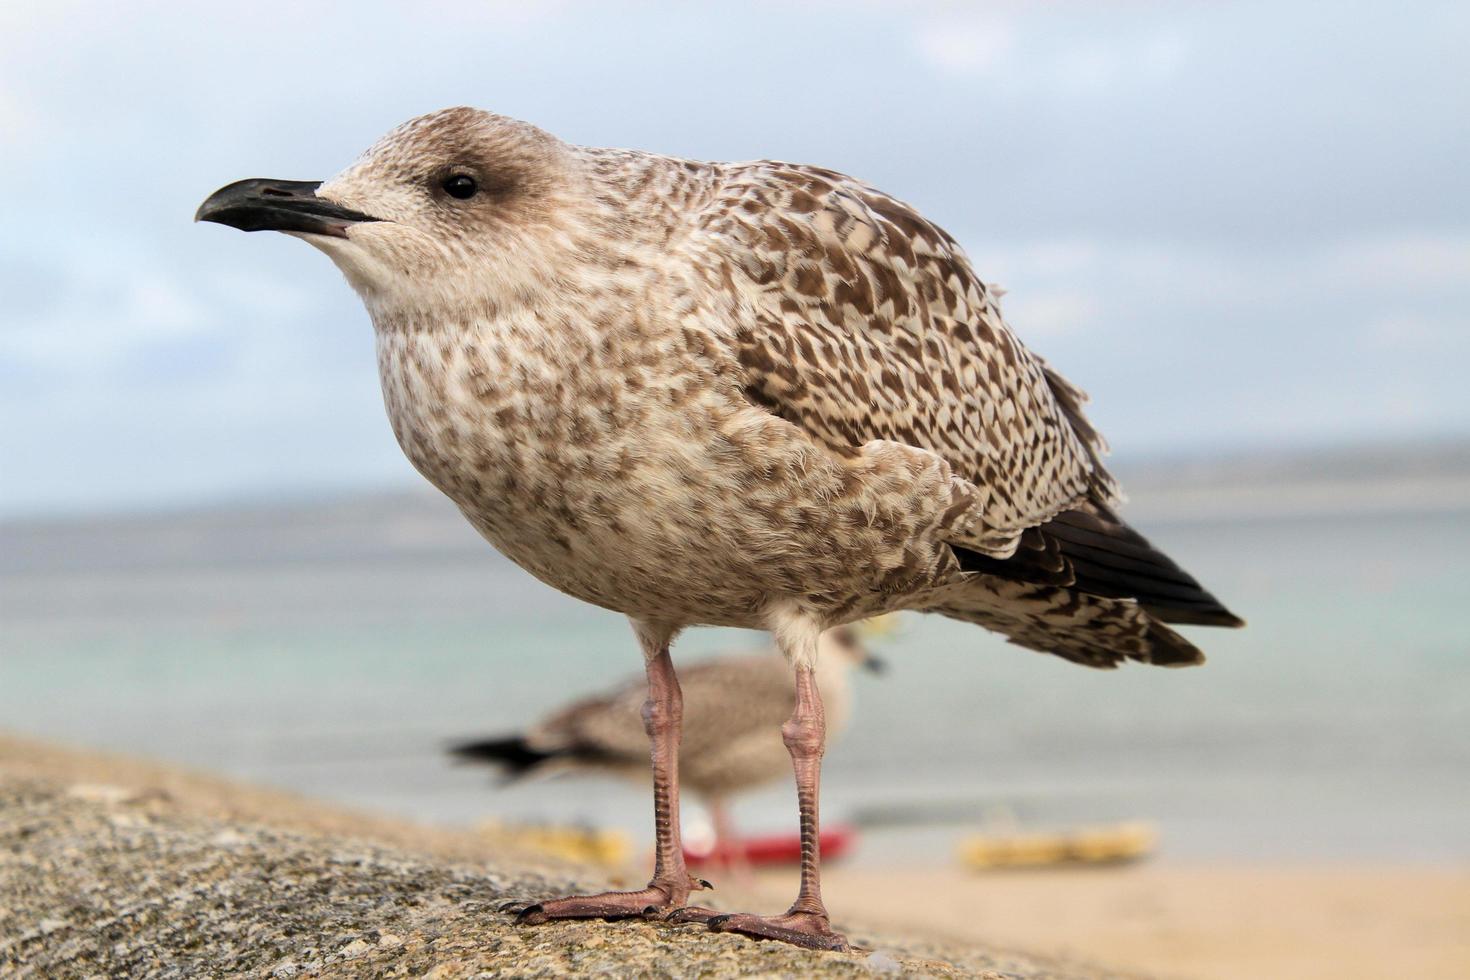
[278, 205]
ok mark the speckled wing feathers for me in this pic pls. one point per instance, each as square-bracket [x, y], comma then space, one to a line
[864, 321]
[867, 322]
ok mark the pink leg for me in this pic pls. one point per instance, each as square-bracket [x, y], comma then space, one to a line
[669, 889]
[805, 923]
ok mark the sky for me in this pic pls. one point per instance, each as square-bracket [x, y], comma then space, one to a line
[1236, 225]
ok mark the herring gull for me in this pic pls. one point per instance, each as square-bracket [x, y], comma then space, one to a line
[733, 709]
[755, 394]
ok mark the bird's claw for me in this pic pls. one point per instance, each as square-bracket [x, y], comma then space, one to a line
[531, 915]
[807, 929]
[653, 902]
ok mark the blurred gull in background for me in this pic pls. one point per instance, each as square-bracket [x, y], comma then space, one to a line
[733, 709]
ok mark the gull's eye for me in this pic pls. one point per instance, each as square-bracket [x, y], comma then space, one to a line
[461, 186]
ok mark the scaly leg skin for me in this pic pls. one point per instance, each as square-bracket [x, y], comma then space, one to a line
[663, 714]
[805, 923]
[725, 856]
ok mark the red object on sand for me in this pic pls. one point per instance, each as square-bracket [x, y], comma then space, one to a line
[773, 849]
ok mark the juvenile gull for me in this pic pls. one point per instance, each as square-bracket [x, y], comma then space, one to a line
[744, 394]
[733, 709]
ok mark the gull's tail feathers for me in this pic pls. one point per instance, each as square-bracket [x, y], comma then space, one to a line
[1091, 630]
[1091, 550]
[512, 755]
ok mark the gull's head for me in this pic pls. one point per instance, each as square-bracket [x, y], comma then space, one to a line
[458, 206]
[843, 645]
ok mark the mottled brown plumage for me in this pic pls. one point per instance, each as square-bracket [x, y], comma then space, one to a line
[747, 394]
[607, 334]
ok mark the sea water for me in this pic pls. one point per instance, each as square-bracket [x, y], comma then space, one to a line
[336, 648]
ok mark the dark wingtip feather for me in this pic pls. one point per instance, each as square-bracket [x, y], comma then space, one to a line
[1091, 550]
[1168, 649]
[1217, 615]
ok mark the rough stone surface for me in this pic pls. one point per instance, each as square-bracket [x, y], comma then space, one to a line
[161, 874]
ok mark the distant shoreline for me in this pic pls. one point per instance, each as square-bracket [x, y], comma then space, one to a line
[1356, 474]
[1366, 496]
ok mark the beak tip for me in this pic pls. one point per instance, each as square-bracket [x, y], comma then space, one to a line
[259, 204]
[207, 213]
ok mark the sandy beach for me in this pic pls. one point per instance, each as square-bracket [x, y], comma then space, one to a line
[1199, 921]
[1148, 920]
[1206, 921]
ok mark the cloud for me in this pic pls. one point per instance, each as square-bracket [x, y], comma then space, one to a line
[1097, 65]
[1054, 314]
[16, 121]
[1205, 343]
[1213, 216]
[1029, 51]
[965, 45]
[1406, 332]
[98, 310]
[1410, 260]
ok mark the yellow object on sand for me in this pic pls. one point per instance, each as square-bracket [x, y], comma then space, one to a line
[1088, 845]
[582, 845]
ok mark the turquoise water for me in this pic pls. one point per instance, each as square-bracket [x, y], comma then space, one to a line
[334, 650]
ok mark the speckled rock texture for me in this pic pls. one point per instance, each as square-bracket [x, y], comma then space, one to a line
[161, 874]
